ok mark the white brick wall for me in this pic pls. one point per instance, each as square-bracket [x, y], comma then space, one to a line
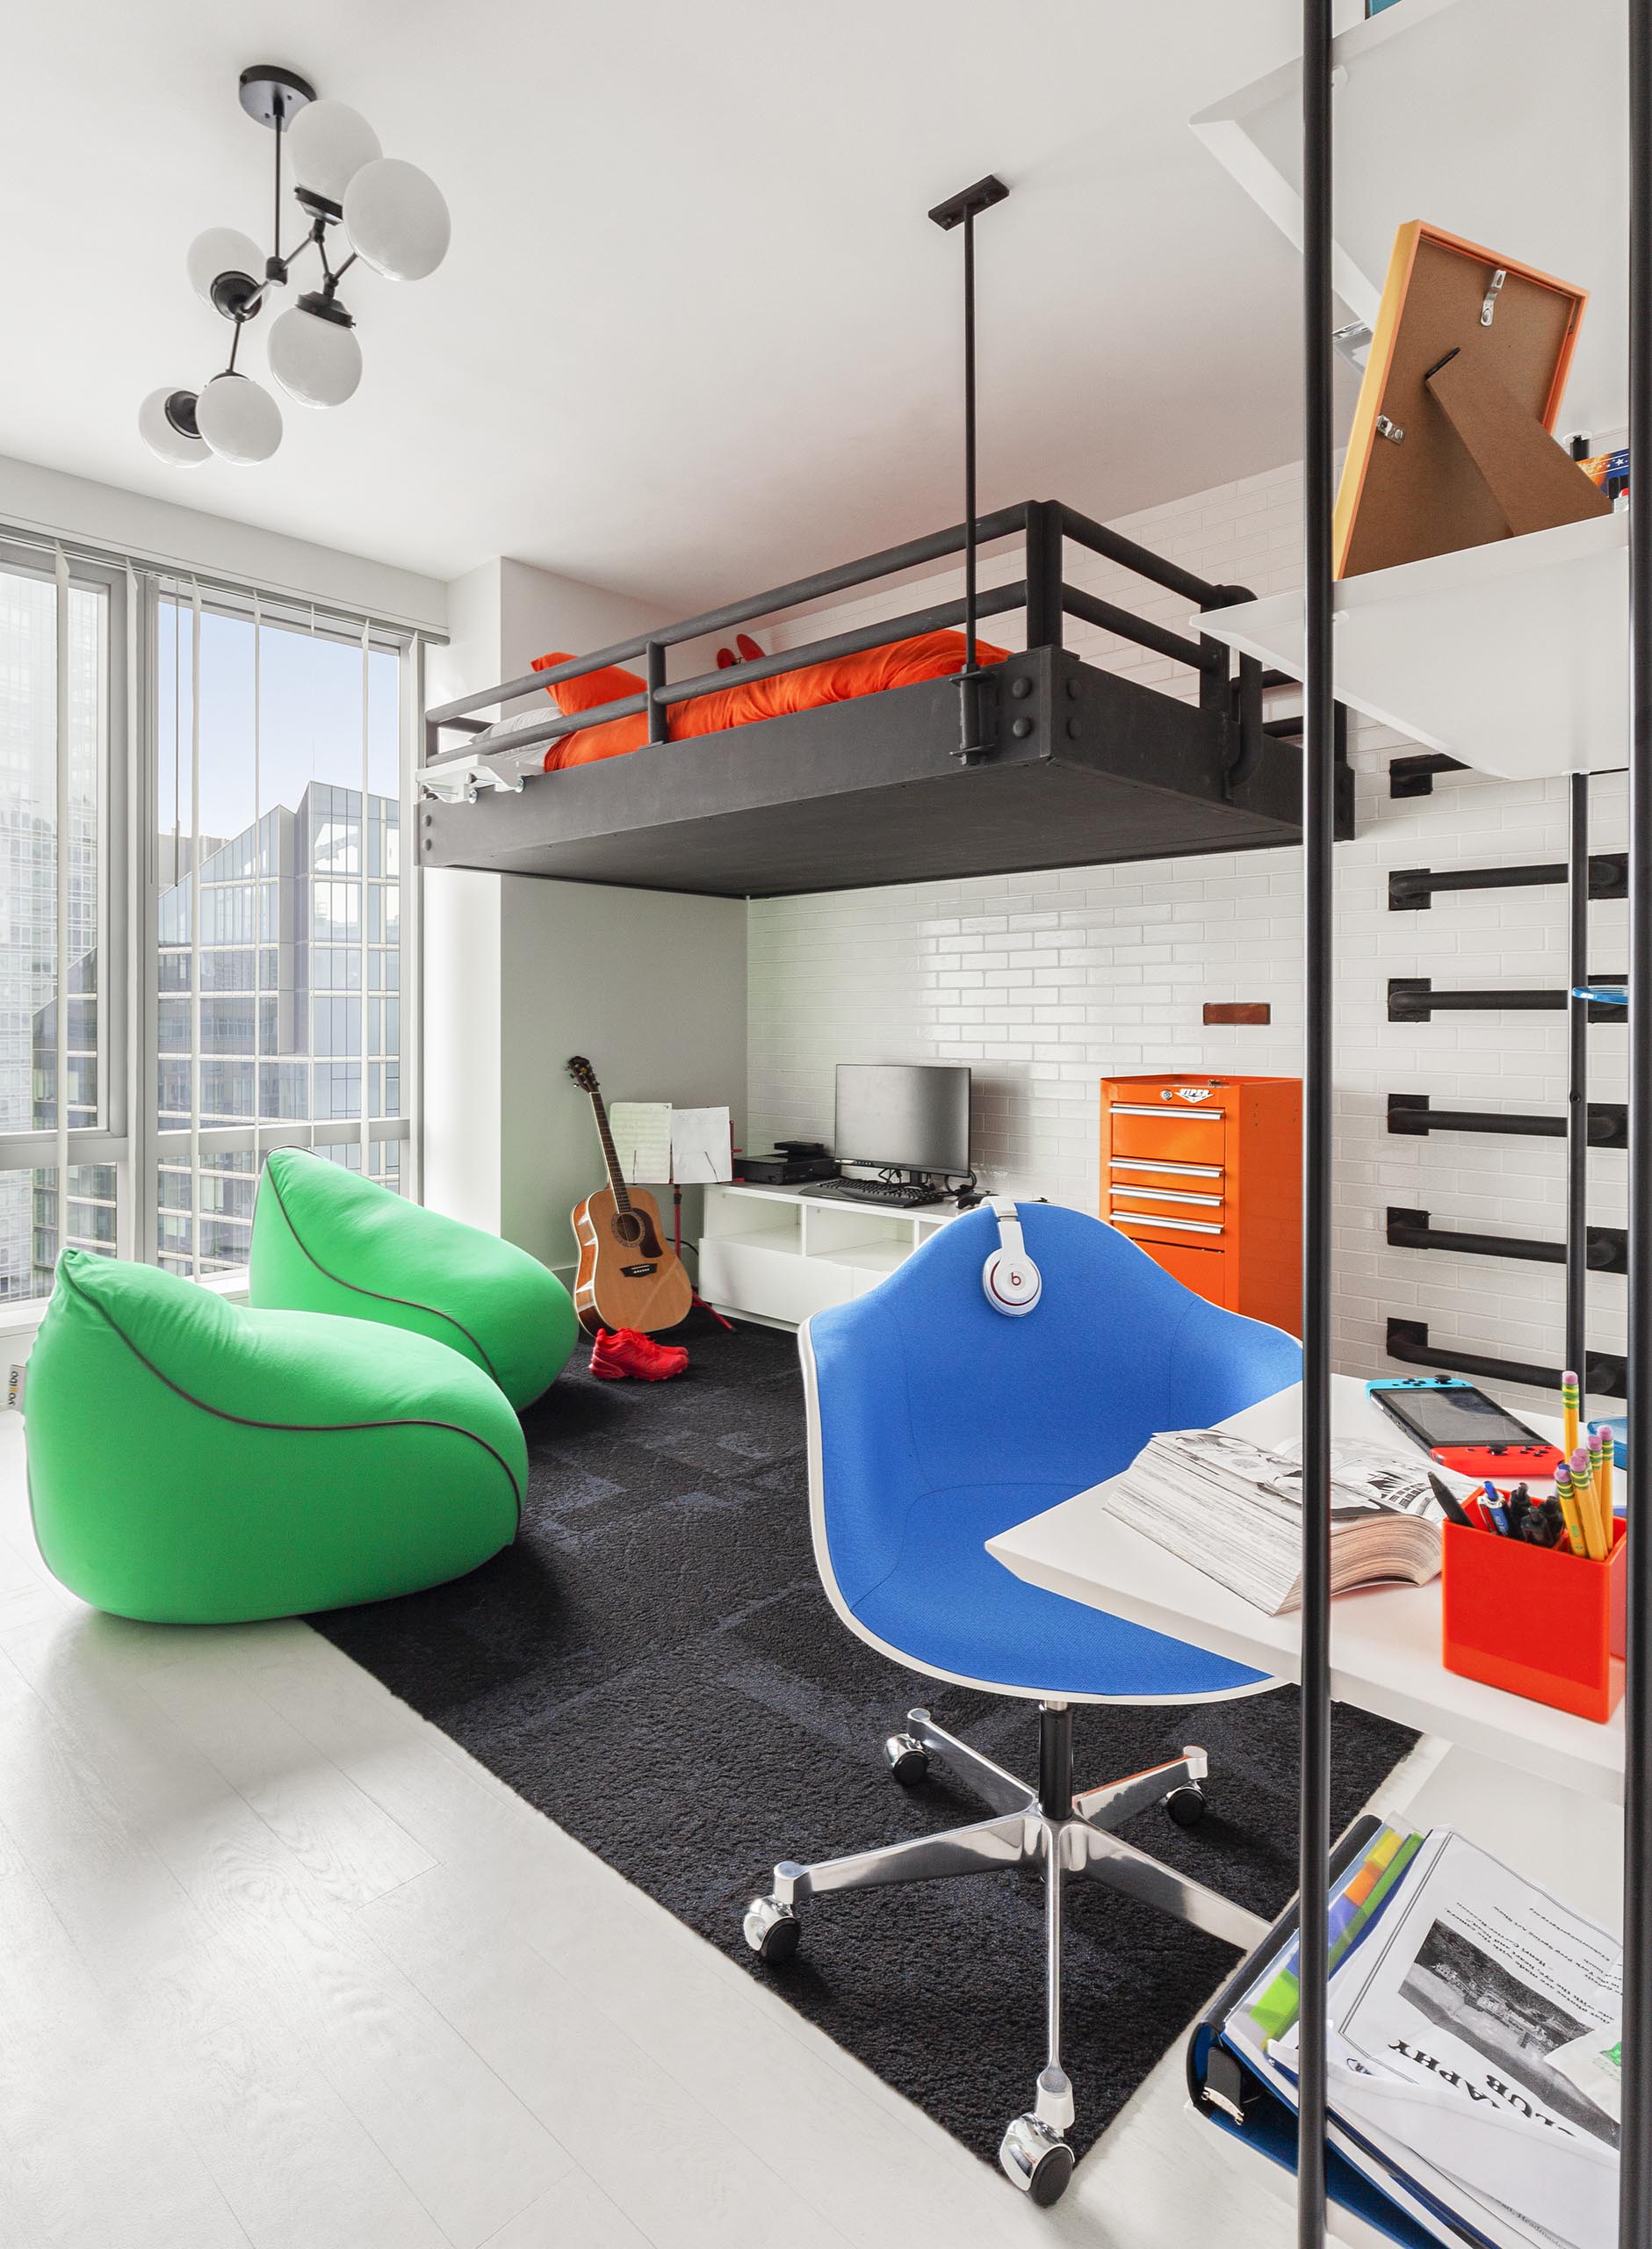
[1046, 983]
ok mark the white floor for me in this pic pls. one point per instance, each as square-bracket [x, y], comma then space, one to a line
[280, 1965]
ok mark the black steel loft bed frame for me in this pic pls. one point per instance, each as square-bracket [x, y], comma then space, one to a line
[1066, 764]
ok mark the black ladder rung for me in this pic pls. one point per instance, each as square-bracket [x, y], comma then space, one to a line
[1413, 999]
[1407, 1340]
[1411, 889]
[1608, 1247]
[1413, 1113]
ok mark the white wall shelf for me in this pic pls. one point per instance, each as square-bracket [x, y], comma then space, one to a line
[774, 1254]
[1502, 120]
[1511, 657]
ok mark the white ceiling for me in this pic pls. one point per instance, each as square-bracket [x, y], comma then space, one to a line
[694, 334]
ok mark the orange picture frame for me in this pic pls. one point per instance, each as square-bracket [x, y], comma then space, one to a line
[1451, 443]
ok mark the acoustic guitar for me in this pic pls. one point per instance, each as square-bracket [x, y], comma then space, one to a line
[628, 1275]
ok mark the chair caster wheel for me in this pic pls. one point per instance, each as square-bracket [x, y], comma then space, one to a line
[907, 1759]
[772, 1930]
[1035, 2159]
[1186, 1804]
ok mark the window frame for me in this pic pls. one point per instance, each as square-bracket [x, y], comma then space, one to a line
[129, 890]
[109, 1141]
[148, 1144]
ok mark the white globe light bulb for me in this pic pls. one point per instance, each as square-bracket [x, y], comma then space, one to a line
[314, 356]
[165, 422]
[225, 266]
[395, 217]
[327, 143]
[239, 419]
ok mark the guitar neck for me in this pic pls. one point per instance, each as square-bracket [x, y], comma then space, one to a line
[616, 1176]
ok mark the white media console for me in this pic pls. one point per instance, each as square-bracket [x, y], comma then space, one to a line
[773, 1254]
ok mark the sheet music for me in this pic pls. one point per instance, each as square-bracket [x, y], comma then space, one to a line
[642, 1141]
[702, 1149]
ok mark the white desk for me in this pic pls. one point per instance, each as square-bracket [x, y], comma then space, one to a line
[1384, 1642]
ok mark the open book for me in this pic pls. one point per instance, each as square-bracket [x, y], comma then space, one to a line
[1233, 1509]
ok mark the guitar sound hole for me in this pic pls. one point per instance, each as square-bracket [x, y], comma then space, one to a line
[628, 1228]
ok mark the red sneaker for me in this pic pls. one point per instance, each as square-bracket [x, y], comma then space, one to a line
[625, 1353]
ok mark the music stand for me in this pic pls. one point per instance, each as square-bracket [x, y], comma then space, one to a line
[1453, 442]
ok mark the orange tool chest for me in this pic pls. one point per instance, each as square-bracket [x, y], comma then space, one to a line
[1206, 1174]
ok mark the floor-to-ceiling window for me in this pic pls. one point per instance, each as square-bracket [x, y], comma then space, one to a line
[60, 642]
[239, 954]
[278, 962]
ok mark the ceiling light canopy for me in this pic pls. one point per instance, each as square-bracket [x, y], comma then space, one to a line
[396, 222]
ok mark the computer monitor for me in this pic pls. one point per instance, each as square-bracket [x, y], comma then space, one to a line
[910, 1115]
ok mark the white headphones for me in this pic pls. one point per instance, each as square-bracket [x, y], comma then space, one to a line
[1013, 1282]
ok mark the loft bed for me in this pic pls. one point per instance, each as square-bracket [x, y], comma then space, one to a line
[1037, 761]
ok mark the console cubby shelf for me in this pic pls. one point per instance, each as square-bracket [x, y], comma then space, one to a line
[1510, 657]
[771, 1253]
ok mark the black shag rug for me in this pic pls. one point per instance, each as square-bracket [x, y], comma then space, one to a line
[655, 1666]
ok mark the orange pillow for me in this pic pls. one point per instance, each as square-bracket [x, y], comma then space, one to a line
[609, 684]
[898, 663]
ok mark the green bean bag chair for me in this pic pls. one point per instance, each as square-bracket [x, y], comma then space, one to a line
[193, 1463]
[325, 1239]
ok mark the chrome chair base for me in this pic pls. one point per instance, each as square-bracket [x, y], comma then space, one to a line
[1050, 1827]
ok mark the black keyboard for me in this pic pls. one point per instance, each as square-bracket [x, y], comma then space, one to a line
[890, 1193]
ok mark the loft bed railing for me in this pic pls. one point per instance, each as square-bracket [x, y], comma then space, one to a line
[458, 775]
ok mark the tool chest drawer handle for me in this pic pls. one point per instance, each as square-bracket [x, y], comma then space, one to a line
[1126, 1218]
[1168, 1195]
[1163, 1163]
[1130, 1108]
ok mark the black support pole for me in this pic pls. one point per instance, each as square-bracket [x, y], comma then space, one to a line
[963, 209]
[969, 559]
[1635, 2218]
[1577, 1080]
[1318, 835]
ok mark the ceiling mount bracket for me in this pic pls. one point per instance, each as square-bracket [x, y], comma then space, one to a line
[272, 96]
[970, 202]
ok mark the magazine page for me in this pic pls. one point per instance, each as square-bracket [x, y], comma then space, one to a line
[1475, 1981]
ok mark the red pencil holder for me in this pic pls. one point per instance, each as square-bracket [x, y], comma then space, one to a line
[1541, 1623]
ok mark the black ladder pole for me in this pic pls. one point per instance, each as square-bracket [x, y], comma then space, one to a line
[1576, 1351]
[1634, 2209]
[1318, 1094]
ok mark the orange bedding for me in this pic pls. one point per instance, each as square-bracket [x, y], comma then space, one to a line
[931, 655]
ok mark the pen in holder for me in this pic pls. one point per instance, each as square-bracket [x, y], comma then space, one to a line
[1538, 1621]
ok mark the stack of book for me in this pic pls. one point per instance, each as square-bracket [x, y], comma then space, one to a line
[1475, 2047]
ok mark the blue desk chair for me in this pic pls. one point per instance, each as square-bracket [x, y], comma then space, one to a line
[938, 1418]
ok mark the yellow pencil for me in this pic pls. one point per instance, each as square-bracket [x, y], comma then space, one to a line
[1588, 1508]
[1567, 1500]
[1602, 1486]
[1571, 1404]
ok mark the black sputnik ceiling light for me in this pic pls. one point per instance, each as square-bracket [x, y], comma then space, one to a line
[386, 213]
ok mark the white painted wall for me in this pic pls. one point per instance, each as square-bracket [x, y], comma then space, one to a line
[1045, 983]
[649, 984]
[520, 974]
[41, 499]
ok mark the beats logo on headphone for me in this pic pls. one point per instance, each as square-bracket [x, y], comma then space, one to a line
[1011, 1280]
